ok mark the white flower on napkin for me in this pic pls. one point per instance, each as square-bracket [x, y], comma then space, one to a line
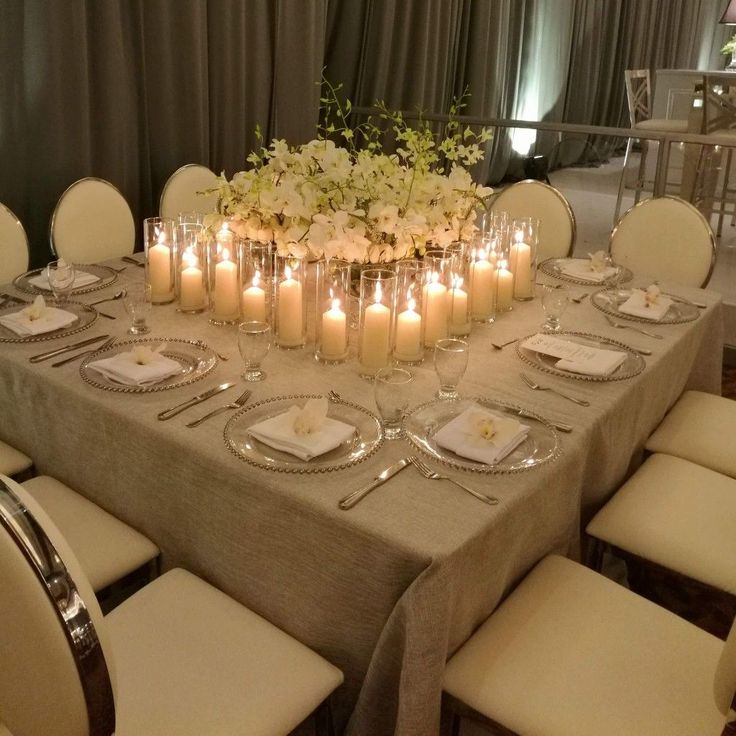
[144, 355]
[482, 426]
[598, 261]
[310, 419]
[36, 310]
[651, 295]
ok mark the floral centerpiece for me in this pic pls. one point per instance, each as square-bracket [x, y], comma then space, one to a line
[356, 201]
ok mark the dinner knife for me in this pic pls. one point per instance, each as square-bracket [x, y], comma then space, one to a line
[350, 500]
[53, 353]
[168, 413]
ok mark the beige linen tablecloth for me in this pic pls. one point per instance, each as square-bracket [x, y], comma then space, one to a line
[388, 590]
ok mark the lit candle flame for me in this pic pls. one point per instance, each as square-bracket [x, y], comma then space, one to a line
[519, 236]
[191, 258]
[287, 272]
[335, 304]
[377, 295]
[457, 281]
[435, 277]
[256, 278]
[161, 236]
[412, 305]
[225, 254]
[503, 264]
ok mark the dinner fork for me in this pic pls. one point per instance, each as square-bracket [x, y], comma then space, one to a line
[537, 387]
[427, 472]
[578, 299]
[239, 402]
[622, 326]
[105, 345]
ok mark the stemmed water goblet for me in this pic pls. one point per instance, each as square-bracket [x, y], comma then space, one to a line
[61, 279]
[137, 304]
[450, 363]
[554, 304]
[254, 342]
[390, 388]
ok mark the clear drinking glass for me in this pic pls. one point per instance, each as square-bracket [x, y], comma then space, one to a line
[554, 304]
[61, 278]
[137, 303]
[392, 398]
[254, 342]
[450, 363]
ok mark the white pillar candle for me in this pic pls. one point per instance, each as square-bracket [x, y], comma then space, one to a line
[457, 299]
[253, 301]
[290, 311]
[191, 292]
[505, 288]
[159, 269]
[334, 332]
[375, 344]
[226, 288]
[482, 273]
[435, 311]
[408, 334]
[521, 266]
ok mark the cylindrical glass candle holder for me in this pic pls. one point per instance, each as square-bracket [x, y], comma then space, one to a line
[333, 290]
[290, 304]
[375, 326]
[190, 218]
[435, 301]
[504, 287]
[523, 256]
[160, 253]
[409, 327]
[483, 279]
[255, 264]
[191, 282]
[458, 295]
[223, 282]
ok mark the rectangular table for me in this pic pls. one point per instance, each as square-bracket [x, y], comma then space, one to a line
[388, 590]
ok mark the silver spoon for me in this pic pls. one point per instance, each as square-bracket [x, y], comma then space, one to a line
[118, 295]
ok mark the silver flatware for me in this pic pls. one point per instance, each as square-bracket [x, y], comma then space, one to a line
[427, 472]
[239, 402]
[579, 298]
[352, 498]
[622, 326]
[118, 295]
[549, 286]
[169, 413]
[13, 299]
[682, 300]
[134, 261]
[105, 345]
[538, 387]
[59, 351]
[561, 426]
[501, 345]
[203, 344]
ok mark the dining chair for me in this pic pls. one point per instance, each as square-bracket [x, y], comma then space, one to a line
[572, 652]
[638, 83]
[532, 198]
[665, 238]
[13, 246]
[181, 191]
[92, 222]
[178, 657]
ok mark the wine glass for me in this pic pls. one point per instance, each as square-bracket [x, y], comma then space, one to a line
[137, 303]
[450, 363]
[554, 304]
[390, 389]
[254, 342]
[61, 279]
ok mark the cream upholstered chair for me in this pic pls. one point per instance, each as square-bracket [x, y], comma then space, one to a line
[701, 428]
[178, 657]
[12, 461]
[92, 222]
[571, 652]
[532, 198]
[180, 193]
[665, 238]
[13, 246]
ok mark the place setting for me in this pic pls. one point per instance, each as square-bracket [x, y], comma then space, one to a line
[81, 278]
[597, 269]
[43, 319]
[649, 304]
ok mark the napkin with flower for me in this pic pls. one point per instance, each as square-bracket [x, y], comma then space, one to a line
[140, 366]
[649, 303]
[304, 432]
[37, 318]
[595, 269]
[576, 357]
[481, 435]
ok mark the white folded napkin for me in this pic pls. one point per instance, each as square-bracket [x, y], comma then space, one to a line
[138, 367]
[37, 318]
[582, 268]
[481, 435]
[81, 278]
[645, 304]
[574, 357]
[305, 433]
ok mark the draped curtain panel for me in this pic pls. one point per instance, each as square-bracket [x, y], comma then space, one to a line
[129, 90]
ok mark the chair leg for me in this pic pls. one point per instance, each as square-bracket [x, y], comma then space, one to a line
[456, 719]
[642, 171]
[622, 182]
[596, 548]
[324, 722]
[724, 193]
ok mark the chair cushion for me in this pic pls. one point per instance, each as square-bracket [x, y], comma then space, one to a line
[107, 548]
[665, 124]
[13, 461]
[571, 653]
[677, 514]
[701, 428]
[190, 660]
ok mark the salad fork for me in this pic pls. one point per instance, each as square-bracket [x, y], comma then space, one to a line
[239, 402]
[538, 387]
[622, 326]
[430, 474]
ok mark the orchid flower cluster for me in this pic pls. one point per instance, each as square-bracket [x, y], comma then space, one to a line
[356, 201]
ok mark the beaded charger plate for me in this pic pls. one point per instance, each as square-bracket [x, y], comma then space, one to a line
[366, 439]
[85, 314]
[555, 267]
[608, 301]
[105, 276]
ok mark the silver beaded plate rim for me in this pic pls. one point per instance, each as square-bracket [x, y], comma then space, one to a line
[447, 457]
[638, 361]
[107, 276]
[550, 268]
[302, 467]
[208, 357]
[682, 311]
[84, 310]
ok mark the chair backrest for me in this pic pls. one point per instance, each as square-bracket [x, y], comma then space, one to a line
[532, 198]
[180, 193]
[719, 103]
[725, 680]
[13, 246]
[667, 239]
[54, 676]
[638, 94]
[92, 222]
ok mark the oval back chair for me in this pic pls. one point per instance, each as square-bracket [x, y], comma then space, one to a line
[181, 191]
[13, 246]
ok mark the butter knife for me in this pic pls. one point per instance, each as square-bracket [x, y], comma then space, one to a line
[53, 353]
[350, 500]
[168, 413]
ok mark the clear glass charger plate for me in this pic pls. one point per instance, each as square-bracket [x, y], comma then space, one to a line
[541, 445]
[632, 366]
[609, 300]
[553, 267]
[196, 360]
[105, 275]
[86, 317]
[367, 438]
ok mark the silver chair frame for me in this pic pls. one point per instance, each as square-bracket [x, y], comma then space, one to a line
[168, 181]
[22, 229]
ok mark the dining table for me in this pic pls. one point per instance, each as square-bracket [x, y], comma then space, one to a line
[392, 587]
